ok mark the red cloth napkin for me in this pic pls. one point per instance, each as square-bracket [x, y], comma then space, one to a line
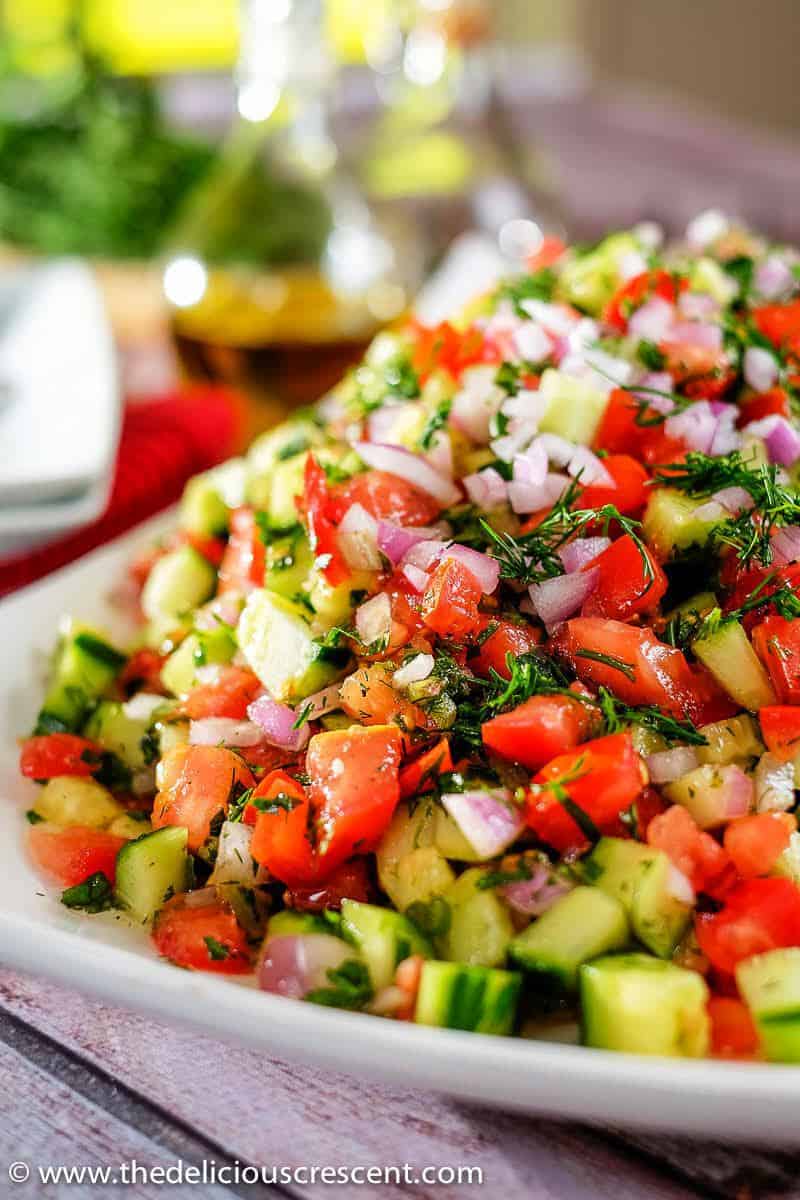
[163, 442]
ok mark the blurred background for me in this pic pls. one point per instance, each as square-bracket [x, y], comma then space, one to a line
[257, 187]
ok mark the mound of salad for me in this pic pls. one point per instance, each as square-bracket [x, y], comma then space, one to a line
[472, 696]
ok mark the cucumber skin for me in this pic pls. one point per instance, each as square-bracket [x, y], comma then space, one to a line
[543, 948]
[477, 999]
[150, 869]
[770, 986]
[86, 665]
[383, 937]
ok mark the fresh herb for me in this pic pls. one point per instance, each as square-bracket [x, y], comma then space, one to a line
[239, 803]
[110, 771]
[617, 715]
[432, 917]
[495, 879]
[303, 716]
[436, 421]
[296, 446]
[94, 895]
[32, 817]
[281, 802]
[741, 269]
[538, 286]
[49, 723]
[650, 356]
[216, 951]
[150, 746]
[609, 660]
[350, 987]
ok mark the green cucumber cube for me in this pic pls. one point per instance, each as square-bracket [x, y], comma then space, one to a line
[383, 937]
[479, 999]
[582, 925]
[643, 1005]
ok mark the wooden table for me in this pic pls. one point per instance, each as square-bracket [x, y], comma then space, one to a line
[82, 1083]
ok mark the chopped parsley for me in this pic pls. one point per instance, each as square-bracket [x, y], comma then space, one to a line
[94, 895]
[350, 987]
[217, 952]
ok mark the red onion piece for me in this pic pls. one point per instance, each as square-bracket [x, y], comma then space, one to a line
[411, 467]
[783, 443]
[760, 368]
[557, 319]
[234, 863]
[706, 227]
[732, 798]
[701, 334]
[527, 499]
[558, 450]
[440, 455]
[589, 467]
[395, 540]
[653, 320]
[415, 576]
[666, 765]
[424, 554]
[532, 343]
[485, 570]
[487, 489]
[679, 886]
[735, 499]
[579, 553]
[696, 426]
[786, 544]
[774, 784]
[534, 896]
[276, 721]
[476, 402]
[357, 536]
[414, 671]
[488, 820]
[374, 619]
[531, 466]
[697, 306]
[726, 436]
[322, 702]
[213, 731]
[295, 965]
[773, 277]
[381, 421]
[557, 599]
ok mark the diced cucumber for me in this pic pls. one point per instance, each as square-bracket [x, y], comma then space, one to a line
[582, 925]
[788, 862]
[589, 280]
[450, 841]
[480, 999]
[643, 1005]
[151, 869]
[171, 734]
[128, 826]
[383, 937]
[76, 800]
[638, 877]
[670, 523]
[770, 986]
[203, 510]
[410, 867]
[480, 924]
[286, 484]
[735, 665]
[177, 584]
[420, 875]
[698, 791]
[289, 561]
[287, 923]
[706, 275]
[293, 437]
[574, 406]
[278, 643]
[202, 648]
[85, 666]
[730, 741]
[335, 605]
[120, 733]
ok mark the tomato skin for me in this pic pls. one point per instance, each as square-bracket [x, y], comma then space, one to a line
[71, 855]
[653, 672]
[386, 497]
[625, 587]
[244, 561]
[54, 754]
[229, 695]
[180, 932]
[350, 881]
[450, 603]
[778, 322]
[759, 915]
[142, 672]
[281, 840]
[637, 291]
[368, 696]
[603, 777]
[780, 728]
[435, 761]
[194, 785]
[703, 374]
[693, 851]
[630, 492]
[507, 638]
[618, 431]
[321, 526]
[549, 252]
[709, 703]
[354, 788]
[733, 1031]
[777, 643]
[764, 404]
[445, 348]
[538, 730]
[755, 843]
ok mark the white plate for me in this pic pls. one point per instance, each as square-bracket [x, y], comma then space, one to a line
[107, 956]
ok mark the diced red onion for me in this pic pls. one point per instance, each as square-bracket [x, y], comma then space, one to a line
[653, 320]
[579, 553]
[201, 898]
[774, 784]
[603, 371]
[631, 264]
[783, 443]
[706, 227]
[726, 436]
[414, 671]
[234, 862]
[786, 544]
[732, 798]
[297, 964]
[488, 820]
[476, 402]
[487, 489]
[525, 498]
[374, 619]
[276, 721]
[557, 319]
[589, 467]
[357, 536]
[225, 608]
[710, 511]
[213, 731]
[557, 599]
[394, 540]
[411, 467]
[679, 886]
[424, 554]
[415, 576]
[531, 467]
[697, 306]
[760, 368]
[484, 569]
[773, 277]
[532, 897]
[381, 421]
[696, 333]
[666, 765]
[532, 343]
[558, 450]
[440, 455]
[735, 499]
[696, 426]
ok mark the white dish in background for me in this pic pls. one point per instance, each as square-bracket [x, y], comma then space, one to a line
[108, 956]
[59, 398]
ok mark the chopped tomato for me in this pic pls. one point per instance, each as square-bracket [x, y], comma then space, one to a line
[759, 915]
[443, 347]
[780, 728]
[628, 492]
[620, 428]
[417, 775]
[496, 640]
[538, 730]
[368, 696]
[450, 603]
[195, 784]
[244, 562]
[350, 881]
[227, 696]
[756, 843]
[601, 778]
[778, 322]
[321, 526]
[630, 581]
[637, 291]
[72, 855]
[142, 672]
[203, 937]
[631, 662]
[703, 374]
[386, 497]
[649, 805]
[777, 642]
[55, 754]
[764, 404]
[281, 841]
[710, 701]
[354, 788]
[701, 859]
[733, 1031]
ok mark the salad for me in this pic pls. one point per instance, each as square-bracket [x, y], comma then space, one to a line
[472, 696]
